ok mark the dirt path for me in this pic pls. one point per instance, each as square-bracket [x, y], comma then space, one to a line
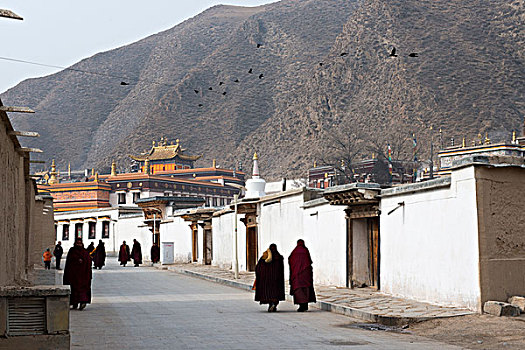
[476, 331]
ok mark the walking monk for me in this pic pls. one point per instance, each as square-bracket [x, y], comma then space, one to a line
[269, 278]
[99, 258]
[301, 277]
[136, 253]
[155, 253]
[123, 254]
[77, 274]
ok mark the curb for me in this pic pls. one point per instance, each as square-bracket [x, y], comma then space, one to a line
[322, 305]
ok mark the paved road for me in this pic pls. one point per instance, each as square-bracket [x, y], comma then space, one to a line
[144, 308]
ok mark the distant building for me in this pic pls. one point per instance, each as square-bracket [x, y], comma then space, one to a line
[369, 170]
[95, 207]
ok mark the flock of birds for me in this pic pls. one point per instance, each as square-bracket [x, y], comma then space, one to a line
[393, 53]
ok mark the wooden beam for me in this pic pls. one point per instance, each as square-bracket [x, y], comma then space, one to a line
[28, 149]
[16, 109]
[37, 161]
[9, 14]
[24, 133]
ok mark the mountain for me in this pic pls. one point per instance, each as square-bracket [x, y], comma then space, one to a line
[468, 78]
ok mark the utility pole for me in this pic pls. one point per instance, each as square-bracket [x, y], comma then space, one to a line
[236, 267]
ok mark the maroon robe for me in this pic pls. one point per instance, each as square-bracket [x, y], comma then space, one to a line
[77, 274]
[301, 275]
[123, 254]
[269, 279]
[99, 259]
[136, 253]
[155, 254]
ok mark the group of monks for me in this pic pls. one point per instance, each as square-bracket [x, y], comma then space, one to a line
[79, 262]
[136, 253]
[269, 277]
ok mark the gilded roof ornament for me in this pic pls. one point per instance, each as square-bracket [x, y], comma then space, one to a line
[255, 156]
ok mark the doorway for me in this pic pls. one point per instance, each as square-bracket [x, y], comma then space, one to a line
[194, 242]
[251, 248]
[363, 252]
[208, 252]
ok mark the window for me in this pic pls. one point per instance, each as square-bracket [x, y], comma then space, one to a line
[105, 229]
[92, 230]
[136, 196]
[122, 198]
[78, 230]
[65, 232]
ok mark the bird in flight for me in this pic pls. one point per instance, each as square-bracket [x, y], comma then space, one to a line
[221, 83]
[250, 71]
[210, 88]
[196, 91]
[236, 81]
[200, 104]
[343, 54]
[259, 45]
[393, 52]
[261, 76]
[224, 93]
[413, 54]
[123, 83]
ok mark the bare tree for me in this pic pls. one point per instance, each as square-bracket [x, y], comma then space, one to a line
[340, 148]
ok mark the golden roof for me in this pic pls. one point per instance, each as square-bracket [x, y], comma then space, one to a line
[163, 150]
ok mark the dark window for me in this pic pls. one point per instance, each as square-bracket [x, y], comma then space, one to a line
[78, 230]
[136, 196]
[121, 198]
[92, 230]
[105, 229]
[65, 232]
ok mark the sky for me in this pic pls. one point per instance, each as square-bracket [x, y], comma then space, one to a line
[62, 32]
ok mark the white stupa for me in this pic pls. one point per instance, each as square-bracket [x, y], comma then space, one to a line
[255, 186]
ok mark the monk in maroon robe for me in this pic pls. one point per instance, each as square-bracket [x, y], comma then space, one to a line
[269, 278]
[77, 274]
[123, 254]
[136, 253]
[155, 253]
[301, 276]
[99, 258]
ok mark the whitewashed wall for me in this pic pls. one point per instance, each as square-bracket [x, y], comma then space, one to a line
[224, 243]
[130, 228]
[281, 223]
[178, 231]
[325, 236]
[120, 229]
[429, 247]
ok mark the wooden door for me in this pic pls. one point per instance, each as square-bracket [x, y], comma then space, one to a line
[251, 248]
[208, 255]
[373, 224]
[194, 242]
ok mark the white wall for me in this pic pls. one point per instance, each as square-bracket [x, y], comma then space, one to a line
[178, 231]
[130, 228]
[120, 229]
[429, 247]
[325, 236]
[281, 223]
[224, 243]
